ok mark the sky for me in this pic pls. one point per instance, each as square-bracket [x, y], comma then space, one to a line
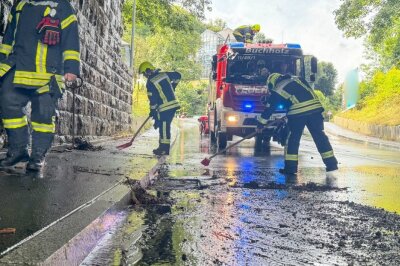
[311, 23]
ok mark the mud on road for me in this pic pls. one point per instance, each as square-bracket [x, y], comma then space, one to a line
[225, 223]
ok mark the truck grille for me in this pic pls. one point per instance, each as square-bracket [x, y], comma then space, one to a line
[239, 101]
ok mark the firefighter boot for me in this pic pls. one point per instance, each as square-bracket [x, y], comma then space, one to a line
[163, 149]
[287, 171]
[36, 162]
[15, 156]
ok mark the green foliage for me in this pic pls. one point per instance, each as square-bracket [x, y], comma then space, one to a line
[192, 97]
[216, 25]
[326, 78]
[379, 21]
[380, 100]
[261, 38]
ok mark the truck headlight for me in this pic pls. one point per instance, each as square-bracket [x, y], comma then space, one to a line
[232, 118]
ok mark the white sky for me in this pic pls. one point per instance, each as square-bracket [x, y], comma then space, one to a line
[307, 22]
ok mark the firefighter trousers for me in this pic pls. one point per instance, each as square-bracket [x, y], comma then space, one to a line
[315, 124]
[13, 102]
[165, 120]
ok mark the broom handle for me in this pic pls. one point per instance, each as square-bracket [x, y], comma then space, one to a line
[140, 128]
[234, 144]
[246, 137]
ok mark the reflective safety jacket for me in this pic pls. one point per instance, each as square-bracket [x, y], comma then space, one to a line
[35, 63]
[244, 32]
[161, 91]
[296, 95]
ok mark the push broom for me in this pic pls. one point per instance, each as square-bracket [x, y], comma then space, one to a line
[128, 144]
[206, 161]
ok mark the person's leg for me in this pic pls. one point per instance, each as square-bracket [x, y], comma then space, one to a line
[43, 129]
[315, 125]
[165, 133]
[13, 100]
[296, 127]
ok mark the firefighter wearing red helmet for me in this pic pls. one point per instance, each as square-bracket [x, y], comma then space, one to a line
[304, 110]
[246, 33]
[163, 104]
[39, 49]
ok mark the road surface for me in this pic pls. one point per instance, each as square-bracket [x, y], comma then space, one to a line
[241, 211]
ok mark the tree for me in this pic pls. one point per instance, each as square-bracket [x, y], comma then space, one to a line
[216, 25]
[326, 78]
[192, 98]
[261, 38]
[378, 21]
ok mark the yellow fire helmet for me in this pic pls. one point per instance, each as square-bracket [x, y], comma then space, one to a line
[144, 66]
[272, 79]
[256, 27]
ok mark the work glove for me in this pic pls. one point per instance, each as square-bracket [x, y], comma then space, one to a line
[47, 105]
[156, 123]
[50, 31]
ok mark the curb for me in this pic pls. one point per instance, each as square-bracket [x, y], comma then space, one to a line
[363, 139]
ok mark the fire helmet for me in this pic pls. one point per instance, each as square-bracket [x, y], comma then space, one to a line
[256, 27]
[144, 66]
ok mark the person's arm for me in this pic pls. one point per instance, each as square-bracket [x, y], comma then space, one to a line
[152, 96]
[8, 38]
[175, 78]
[70, 43]
[270, 108]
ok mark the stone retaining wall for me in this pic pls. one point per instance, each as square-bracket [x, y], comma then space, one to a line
[379, 131]
[103, 104]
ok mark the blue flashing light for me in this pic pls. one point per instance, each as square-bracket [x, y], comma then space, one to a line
[293, 45]
[247, 106]
[280, 107]
[236, 45]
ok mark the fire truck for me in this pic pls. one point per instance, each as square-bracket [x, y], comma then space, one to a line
[238, 81]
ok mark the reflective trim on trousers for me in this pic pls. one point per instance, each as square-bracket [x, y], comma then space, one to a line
[15, 123]
[326, 155]
[44, 128]
[291, 157]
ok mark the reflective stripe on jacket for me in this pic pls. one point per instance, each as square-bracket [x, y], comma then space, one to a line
[245, 32]
[298, 97]
[160, 91]
[34, 62]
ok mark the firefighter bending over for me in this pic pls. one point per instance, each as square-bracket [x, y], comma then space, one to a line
[163, 104]
[246, 33]
[304, 109]
[40, 47]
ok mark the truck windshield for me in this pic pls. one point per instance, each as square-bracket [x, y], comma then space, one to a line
[255, 69]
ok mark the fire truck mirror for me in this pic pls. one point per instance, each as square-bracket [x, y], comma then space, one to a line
[314, 64]
[312, 77]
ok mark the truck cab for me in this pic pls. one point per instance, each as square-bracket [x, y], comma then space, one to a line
[237, 83]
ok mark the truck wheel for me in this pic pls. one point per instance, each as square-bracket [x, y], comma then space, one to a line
[213, 139]
[221, 140]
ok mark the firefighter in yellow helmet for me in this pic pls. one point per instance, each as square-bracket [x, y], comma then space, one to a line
[39, 49]
[246, 33]
[304, 110]
[163, 104]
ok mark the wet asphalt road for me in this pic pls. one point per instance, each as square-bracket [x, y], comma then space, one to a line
[241, 211]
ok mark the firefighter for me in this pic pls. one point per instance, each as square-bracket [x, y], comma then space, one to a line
[246, 33]
[163, 104]
[40, 50]
[304, 109]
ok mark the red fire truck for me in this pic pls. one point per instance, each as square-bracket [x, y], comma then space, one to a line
[238, 81]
